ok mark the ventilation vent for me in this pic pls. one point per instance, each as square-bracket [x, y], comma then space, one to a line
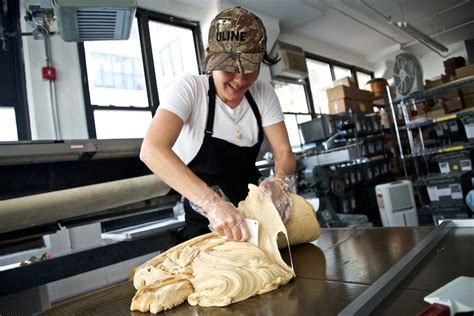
[93, 24]
[292, 62]
[89, 20]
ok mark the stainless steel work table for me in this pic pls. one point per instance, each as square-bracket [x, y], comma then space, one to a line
[330, 273]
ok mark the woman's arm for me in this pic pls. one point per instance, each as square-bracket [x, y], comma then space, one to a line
[279, 187]
[277, 136]
[156, 152]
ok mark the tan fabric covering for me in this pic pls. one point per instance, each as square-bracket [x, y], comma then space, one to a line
[211, 271]
[35, 210]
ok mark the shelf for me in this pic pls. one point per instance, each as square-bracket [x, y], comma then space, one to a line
[422, 122]
[417, 124]
[447, 87]
[438, 150]
[379, 101]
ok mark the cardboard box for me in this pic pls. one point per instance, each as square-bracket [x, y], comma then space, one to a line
[465, 71]
[468, 100]
[345, 104]
[453, 105]
[346, 81]
[450, 95]
[419, 113]
[451, 101]
[436, 112]
[436, 82]
[451, 64]
[340, 92]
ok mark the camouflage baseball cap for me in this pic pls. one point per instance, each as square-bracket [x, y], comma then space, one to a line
[237, 42]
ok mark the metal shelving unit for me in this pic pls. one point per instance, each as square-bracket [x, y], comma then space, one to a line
[448, 142]
[411, 127]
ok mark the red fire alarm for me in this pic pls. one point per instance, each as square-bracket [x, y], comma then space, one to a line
[49, 73]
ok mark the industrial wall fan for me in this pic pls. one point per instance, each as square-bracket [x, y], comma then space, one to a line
[408, 74]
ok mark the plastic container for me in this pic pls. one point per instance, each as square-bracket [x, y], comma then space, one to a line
[450, 213]
[468, 122]
[459, 161]
[451, 129]
[447, 190]
[456, 295]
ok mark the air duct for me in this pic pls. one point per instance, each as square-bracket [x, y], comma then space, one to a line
[89, 20]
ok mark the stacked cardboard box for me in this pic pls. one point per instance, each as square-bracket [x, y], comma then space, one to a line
[436, 111]
[346, 96]
[451, 64]
[451, 101]
[419, 113]
[468, 92]
[433, 83]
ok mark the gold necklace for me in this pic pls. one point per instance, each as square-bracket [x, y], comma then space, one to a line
[237, 134]
[234, 120]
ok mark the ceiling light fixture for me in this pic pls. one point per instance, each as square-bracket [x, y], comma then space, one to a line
[420, 36]
[413, 32]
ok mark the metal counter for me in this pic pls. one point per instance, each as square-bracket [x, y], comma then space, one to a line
[331, 272]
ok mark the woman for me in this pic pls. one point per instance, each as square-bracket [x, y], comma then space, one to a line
[209, 128]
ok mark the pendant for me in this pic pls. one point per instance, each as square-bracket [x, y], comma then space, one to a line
[238, 135]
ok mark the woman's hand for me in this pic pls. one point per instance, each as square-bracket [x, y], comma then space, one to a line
[223, 216]
[279, 190]
[226, 220]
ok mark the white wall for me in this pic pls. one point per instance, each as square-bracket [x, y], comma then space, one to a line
[69, 91]
[431, 63]
[326, 50]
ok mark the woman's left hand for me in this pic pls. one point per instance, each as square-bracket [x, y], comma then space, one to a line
[279, 190]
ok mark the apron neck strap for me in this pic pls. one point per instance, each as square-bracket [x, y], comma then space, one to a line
[212, 108]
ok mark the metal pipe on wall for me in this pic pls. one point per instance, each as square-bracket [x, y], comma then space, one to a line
[52, 89]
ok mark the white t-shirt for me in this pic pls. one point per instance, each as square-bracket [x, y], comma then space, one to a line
[187, 98]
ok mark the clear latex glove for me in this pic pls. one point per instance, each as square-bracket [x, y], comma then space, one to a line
[279, 189]
[223, 216]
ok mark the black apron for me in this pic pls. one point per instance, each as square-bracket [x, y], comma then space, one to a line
[221, 163]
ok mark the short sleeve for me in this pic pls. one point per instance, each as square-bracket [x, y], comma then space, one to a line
[269, 105]
[179, 97]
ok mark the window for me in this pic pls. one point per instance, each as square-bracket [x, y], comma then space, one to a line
[8, 128]
[173, 52]
[320, 79]
[115, 72]
[362, 79]
[294, 133]
[341, 72]
[294, 103]
[124, 77]
[323, 71]
[14, 122]
[292, 97]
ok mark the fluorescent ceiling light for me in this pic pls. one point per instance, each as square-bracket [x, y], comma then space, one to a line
[420, 36]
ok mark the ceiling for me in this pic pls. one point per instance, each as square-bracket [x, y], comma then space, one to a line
[362, 27]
